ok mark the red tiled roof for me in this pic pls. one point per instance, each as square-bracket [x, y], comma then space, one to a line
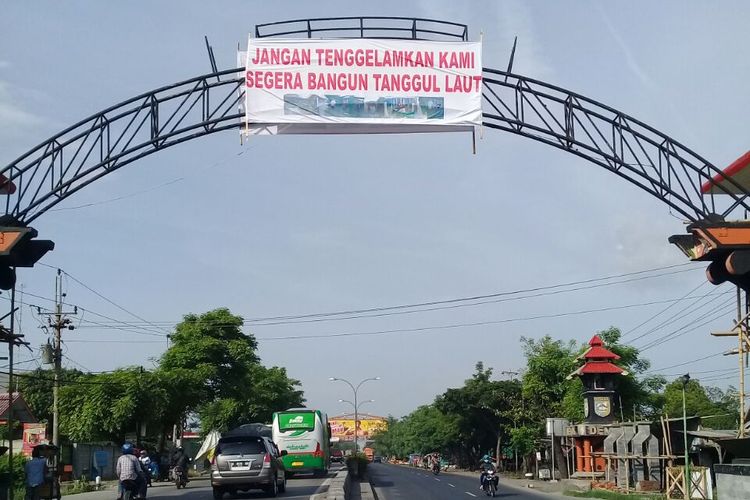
[596, 340]
[21, 409]
[4, 401]
[600, 367]
[599, 352]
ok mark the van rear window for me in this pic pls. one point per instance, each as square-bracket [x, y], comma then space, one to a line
[244, 447]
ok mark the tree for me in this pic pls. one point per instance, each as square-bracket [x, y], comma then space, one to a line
[36, 388]
[703, 402]
[482, 411]
[216, 364]
[523, 441]
[108, 406]
[544, 382]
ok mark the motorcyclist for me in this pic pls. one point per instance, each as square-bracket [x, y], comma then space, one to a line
[129, 472]
[180, 459]
[435, 461]
[146, 464]
[485, 465]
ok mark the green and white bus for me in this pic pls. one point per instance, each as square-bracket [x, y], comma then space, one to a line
[305, 435]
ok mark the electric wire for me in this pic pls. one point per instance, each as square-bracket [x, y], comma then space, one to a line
[363, 313]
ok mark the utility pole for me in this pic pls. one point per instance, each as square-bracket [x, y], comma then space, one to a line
[740, 330]
[60, 323]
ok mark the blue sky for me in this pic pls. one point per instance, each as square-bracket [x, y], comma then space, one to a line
[308, 224]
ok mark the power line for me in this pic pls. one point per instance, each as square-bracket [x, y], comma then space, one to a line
[459, 325]
[107, 299]
[702, 283]
[720, 311]
[692, 307]
[687, 362]
[363, 313]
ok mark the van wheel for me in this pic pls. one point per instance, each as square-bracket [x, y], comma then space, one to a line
[273, 489]
[218, 493]
[282, 487]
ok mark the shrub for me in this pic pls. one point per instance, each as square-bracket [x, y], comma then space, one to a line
[19, 473]
[357, 464]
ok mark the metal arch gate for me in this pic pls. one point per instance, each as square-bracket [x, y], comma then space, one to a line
[170, 115]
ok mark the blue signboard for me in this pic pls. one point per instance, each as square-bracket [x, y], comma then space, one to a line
[101, 459]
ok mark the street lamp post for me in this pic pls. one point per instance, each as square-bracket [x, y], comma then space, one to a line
[356, 413]
[685, 379]
[356, 410]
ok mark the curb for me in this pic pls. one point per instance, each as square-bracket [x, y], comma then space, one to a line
[338, 489]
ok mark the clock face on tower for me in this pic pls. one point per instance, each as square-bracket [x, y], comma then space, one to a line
[586, 408]
[602, 406]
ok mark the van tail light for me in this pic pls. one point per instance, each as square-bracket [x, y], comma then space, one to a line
[213, 463]
[267, 460]
[317, 453]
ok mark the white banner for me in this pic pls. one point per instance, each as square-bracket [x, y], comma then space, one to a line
[408, 84]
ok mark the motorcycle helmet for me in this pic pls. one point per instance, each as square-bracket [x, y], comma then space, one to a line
[127, 449]
[486, 458]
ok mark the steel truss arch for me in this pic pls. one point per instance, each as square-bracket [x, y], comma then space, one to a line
[121, 134]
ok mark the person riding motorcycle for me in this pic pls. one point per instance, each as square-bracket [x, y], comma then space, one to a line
[485, 465]
[435, 461]
[180, 459]
[146, 464]
[129, 472]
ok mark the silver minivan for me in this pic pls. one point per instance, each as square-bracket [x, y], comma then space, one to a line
[242, 463]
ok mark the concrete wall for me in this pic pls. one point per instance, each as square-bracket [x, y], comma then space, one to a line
[732, 481]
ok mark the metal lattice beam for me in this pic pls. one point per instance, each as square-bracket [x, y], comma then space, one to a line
[170, 115]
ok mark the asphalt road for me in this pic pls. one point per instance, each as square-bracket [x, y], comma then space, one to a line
[396, 482]
[301, 487]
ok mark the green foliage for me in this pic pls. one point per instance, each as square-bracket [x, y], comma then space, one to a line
[78, 486]
[464, 422]
[36, 388]
[211, 369]
[523, 439]
[4, 431]
[107, 406]
[544, 383]
[219, 368]
[711, 402]
[357, 464]
[19, 473]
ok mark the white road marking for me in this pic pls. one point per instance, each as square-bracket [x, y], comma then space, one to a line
[449, 484]
[436, 479]
[470, 494]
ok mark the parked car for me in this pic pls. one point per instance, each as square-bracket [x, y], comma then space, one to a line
[246, 462]
[337, 456]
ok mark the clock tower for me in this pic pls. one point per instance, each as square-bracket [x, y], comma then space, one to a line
[598, 374]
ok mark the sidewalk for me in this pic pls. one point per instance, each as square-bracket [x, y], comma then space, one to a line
[109, 490]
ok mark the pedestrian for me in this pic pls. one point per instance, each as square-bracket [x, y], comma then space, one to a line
[36, 471]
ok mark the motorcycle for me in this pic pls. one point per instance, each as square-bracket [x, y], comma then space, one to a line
[436, 468]
[180, 477]
[489, 484]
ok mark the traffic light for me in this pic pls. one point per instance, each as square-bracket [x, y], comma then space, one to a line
[18, 248]
[725, 245]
